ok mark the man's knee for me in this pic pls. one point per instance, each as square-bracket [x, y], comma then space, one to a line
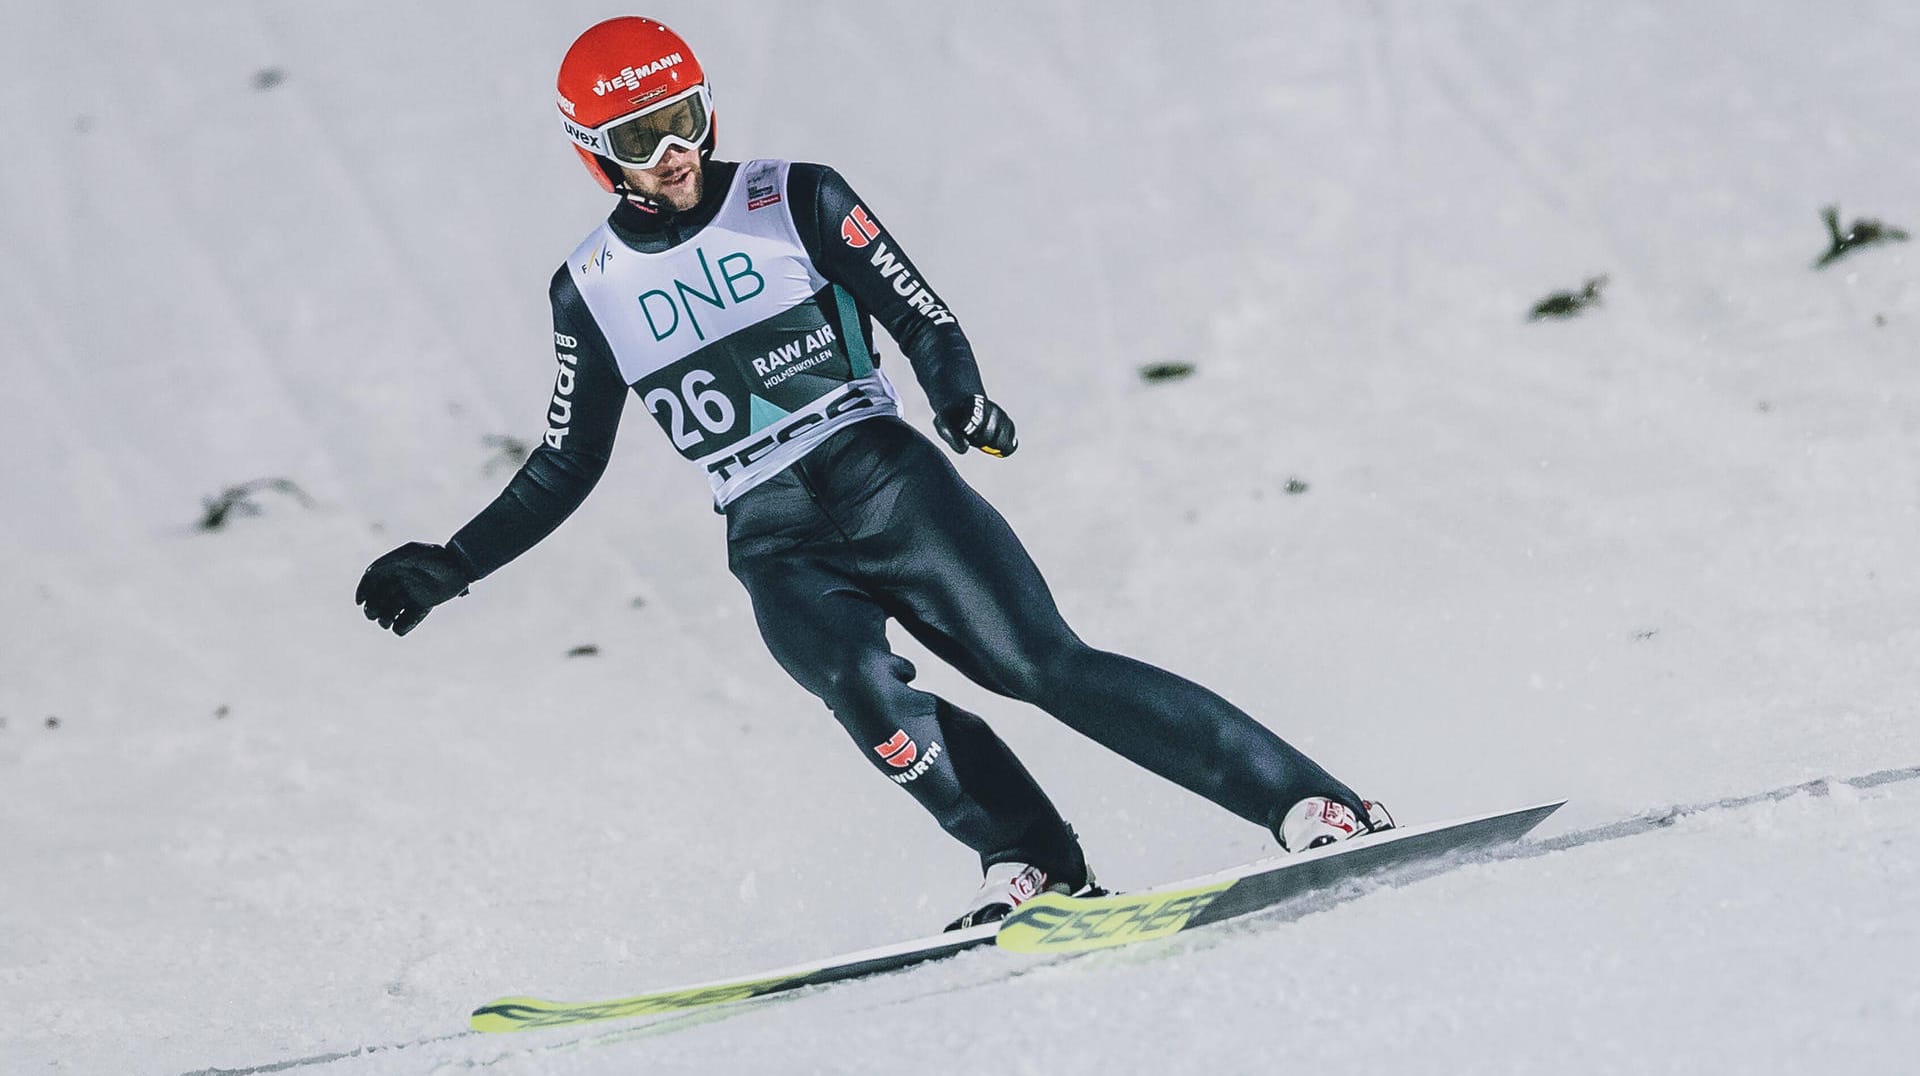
[1044, 669]
[868, 684]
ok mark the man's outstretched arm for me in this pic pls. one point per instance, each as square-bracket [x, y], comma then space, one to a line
[583, 416]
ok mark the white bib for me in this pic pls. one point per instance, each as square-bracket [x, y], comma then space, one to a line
[742, 351]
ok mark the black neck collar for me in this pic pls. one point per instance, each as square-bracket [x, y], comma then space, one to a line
[653, 232]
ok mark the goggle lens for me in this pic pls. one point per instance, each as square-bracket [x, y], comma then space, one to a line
[641, 141]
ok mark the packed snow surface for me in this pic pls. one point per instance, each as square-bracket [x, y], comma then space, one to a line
[1659, 555]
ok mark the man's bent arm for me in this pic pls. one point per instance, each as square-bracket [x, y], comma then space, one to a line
[582, 418]
[845, 240]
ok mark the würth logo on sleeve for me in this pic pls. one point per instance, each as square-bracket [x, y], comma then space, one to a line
[858, 229]
[893, 268]
[899, 751]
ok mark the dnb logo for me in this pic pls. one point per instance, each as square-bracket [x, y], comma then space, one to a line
[899, 751]
[858, 229]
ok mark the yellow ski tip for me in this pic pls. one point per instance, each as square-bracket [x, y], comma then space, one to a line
[511, 1014]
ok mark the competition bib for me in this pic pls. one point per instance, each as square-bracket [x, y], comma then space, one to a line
[745, 355]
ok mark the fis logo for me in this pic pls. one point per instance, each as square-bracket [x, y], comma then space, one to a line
[858, 229]
[599, 260]
[629, 77]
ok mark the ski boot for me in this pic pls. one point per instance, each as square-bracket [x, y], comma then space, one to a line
[1009, 885]
[1317, 820]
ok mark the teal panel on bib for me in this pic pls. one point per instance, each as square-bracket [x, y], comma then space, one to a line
[762, 414]
[856, 344]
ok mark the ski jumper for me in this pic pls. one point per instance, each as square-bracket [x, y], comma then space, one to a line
[744, 325]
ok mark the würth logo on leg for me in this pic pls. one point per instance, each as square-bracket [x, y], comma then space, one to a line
[899, 751]
[858, 229]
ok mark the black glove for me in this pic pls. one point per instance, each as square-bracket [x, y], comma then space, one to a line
[399, 588]
[977, 422]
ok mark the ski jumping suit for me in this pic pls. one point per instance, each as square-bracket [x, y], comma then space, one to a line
[745, 326]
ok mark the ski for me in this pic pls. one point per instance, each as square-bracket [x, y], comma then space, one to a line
[523, 1013]
[1052, 923]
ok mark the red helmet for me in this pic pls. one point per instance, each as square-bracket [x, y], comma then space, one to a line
[630, 88]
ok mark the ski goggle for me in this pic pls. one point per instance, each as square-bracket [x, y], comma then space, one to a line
[639, 141]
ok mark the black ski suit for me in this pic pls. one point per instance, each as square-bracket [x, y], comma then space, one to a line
[875, 523]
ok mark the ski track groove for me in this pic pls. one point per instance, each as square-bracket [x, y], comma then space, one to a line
[1638, 825]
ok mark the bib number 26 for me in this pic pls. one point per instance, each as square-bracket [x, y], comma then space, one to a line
[707, 406]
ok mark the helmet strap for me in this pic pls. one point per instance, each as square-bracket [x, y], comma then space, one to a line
[639, 201]
[618, 180]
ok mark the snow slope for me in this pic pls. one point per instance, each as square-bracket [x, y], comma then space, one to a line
[1659, 555]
